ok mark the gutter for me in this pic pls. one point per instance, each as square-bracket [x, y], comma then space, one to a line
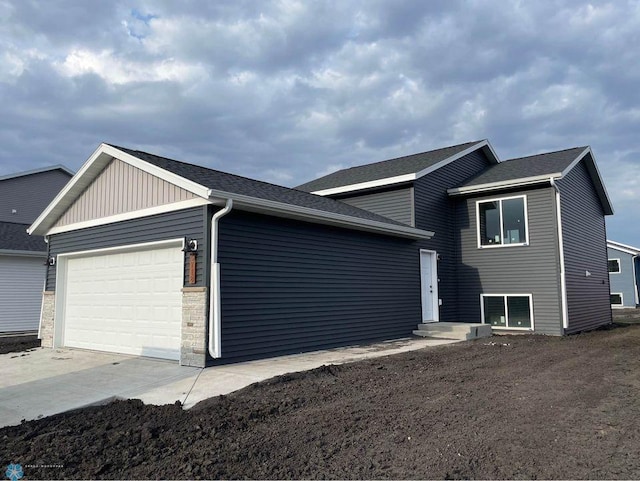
[563, 280]
[215, 316]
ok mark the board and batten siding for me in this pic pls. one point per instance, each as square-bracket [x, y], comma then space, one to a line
[435, 211]
[585, 250]
[532, 269]
[623, 282]
[29, 195]
[396, 204]
[291, 286]
[121, 188]
[189, 223]
[21, 283]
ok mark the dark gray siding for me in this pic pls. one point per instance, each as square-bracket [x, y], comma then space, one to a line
[624, 281]
[585, 249]
[292, 286]
[395, 204]
[532, 269]
[435, 211]
[29, 195]
[188, 223]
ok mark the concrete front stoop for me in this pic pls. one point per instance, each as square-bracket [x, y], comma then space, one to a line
[453, 330]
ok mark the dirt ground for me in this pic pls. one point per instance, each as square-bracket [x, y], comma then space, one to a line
[504, 407]
[18, 343]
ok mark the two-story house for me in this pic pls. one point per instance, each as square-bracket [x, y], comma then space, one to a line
[624, 275]
[157, 257]
[22, 257]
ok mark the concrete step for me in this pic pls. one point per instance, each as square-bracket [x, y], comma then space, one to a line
[453, 330]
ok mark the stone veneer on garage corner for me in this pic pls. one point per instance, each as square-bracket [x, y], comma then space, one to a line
[193, 347]
[48, 316]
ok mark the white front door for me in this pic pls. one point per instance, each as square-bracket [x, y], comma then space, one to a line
[429, 285]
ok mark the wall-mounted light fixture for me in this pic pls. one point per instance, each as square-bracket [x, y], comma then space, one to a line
[190, 245]
[51, 261]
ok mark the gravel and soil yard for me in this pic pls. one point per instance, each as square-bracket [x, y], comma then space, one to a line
[18, 343]
[503, 407]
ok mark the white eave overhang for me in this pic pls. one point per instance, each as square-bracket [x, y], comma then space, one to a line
[634, 251]
[410, 177]
[280, 209]
[506, 184]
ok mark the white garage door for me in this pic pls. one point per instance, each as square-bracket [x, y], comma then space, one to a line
[126, 302]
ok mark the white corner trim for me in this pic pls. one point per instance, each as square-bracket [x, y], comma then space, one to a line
[472, 189]
[367, 185]
[293, 211]
[136, 214]
[406, 177]
[563, 274]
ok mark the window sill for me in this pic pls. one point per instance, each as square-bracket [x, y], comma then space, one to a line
[498, 246]
[505, 328]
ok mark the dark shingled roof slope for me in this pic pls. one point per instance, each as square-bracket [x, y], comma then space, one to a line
[382, 170]
[14, 237]
[235, 184]
[523, 167]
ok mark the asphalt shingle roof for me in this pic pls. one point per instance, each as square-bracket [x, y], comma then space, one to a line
[223, 181]
[384, 169]
[14, 237]
[523, 167]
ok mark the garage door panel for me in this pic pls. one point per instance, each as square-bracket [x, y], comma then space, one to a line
[127, 302]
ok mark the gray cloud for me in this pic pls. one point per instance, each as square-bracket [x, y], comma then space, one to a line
[288, 90]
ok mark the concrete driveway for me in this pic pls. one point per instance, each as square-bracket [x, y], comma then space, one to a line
[42, 382]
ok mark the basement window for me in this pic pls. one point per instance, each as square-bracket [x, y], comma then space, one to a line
[502, 222]
[507, 311]
[616, 299]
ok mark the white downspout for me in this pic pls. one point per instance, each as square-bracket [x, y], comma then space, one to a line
[215, 321]
[563, 280]
[44, 288]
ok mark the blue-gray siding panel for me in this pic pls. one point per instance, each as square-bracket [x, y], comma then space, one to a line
[435, 211]
[188, 223]
[29, 195]
[624, 281]
[532, 269]
[395, 204]
[585, 249]
[294, 286]
[21, 282]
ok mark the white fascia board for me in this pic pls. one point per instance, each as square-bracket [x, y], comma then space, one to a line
[281, 209]
[89, 171]
[506, 184]
[38, 171]
[18, 253]
[367, 185]
[406, 177]
[623, 248]
[136, 214]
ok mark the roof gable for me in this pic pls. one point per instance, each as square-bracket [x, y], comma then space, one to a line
[393, 171]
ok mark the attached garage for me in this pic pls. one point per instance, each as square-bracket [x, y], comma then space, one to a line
[125, 300]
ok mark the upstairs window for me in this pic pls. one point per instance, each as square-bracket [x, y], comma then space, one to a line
[614, 266]
[502, 222]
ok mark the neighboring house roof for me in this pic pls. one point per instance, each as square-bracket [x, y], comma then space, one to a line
[535, 169]
[216, 186]
[38, 171]
[635, 251]
[393, 171]
[14, 239]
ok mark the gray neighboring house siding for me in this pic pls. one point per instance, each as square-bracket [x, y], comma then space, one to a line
[396, 204]
[21, 285]
[533, 269]
[585, 249]
[290, 286]
[188, 223]
[29, 195]
[623, 282]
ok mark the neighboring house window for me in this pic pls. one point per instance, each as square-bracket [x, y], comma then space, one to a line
[509, 311]
[616, 299]
[502, 222]
[614, 266]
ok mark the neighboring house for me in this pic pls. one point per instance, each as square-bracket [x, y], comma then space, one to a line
[22, 257]
[624, 274]
[162, 258]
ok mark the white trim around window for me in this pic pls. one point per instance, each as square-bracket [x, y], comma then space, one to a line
[502, 243]
[619, 266]
[621, 299]
[507, 325]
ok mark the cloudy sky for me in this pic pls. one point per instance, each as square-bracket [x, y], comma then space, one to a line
[288, 90]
